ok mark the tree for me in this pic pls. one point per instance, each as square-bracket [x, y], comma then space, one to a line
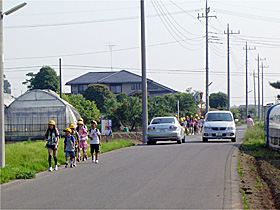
[218, 100]
[98, 93]
[7, 86]
[129, 114]
[86, 108]
[46, 78]
[276, 85]
[187, 104]
[138, 94]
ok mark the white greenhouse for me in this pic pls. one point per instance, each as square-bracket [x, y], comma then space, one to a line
[28, 115]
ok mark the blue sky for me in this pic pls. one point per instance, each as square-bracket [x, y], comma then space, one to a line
[80, 32]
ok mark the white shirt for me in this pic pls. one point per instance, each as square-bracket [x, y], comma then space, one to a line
[93, 136]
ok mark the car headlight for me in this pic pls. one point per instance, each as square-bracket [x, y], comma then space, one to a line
[231, 128]
[207, 128]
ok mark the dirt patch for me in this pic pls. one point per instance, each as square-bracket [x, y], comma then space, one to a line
[260, 180]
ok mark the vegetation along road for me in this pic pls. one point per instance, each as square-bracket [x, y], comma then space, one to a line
[193, 175]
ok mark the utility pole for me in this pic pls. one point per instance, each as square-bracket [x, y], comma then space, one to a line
[206, 16]
[60, 75]
[228, 64]
[259, 87]
[144, 75]
[254, 80]
[111, 54]
[2, 107]
[262, 89]
[246, 78]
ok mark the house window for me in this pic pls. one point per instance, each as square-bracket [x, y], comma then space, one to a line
[136, 86]
[116, 89]
[82, 88]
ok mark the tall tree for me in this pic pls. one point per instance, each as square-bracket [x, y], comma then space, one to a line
[46, 78]
[86, 108]
[218, 100]
[7, 86]
[98, 93]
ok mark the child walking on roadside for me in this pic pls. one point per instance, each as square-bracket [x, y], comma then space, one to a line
[95, 137]
[75, 134]
[69, 147]
[83, 140]
[52, 138]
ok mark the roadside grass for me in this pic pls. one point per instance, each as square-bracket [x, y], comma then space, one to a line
[25, 159]
[254, 146]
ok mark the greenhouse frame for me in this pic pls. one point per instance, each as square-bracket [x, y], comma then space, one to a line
[27, 116]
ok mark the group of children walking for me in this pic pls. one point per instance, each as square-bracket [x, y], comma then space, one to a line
[75, 141]
[193, 125]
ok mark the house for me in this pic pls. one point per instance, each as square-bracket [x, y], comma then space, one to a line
[118, 82]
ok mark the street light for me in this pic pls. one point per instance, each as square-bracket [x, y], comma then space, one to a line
[2, 127]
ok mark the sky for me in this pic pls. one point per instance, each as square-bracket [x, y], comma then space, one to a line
[92, 36]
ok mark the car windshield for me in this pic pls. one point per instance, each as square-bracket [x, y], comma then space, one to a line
[163, 120]
[219, 117]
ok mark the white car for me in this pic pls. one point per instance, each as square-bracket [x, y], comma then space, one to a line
[219, 125]
[165, 129]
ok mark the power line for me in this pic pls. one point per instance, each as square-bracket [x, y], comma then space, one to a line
[165, 23]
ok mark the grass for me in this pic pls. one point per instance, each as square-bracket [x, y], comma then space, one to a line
[25, 159]
[254, 145]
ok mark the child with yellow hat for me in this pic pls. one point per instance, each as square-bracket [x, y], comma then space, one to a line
[69, 147]
[52, 138]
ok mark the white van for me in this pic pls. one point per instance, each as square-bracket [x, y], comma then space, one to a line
[219, 125]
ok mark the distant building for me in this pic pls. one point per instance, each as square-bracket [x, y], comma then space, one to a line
[118, 82]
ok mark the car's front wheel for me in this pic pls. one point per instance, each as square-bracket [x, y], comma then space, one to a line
[179, 141]
[204, 139]
[233, 139]
[184, 139]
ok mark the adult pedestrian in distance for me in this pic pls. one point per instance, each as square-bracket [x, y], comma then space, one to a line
[52, 138]
[95, 138]
[249, 121]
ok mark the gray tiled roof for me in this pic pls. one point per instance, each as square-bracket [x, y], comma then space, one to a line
[90, 78]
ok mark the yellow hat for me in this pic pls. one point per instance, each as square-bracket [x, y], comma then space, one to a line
[51, 122]
[71, 125]
[67, 130]
[80, 122]
[81, 119]
[196, 115]
[93, 121]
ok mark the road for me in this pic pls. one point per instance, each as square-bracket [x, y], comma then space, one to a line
[193, 175]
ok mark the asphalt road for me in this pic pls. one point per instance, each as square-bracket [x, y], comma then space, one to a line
[193, 175]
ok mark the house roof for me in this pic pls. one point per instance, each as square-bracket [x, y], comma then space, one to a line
[112, 77]
[90, 78]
